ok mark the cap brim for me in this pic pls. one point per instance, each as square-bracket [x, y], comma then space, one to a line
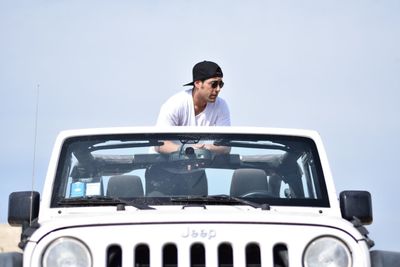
[191, 83]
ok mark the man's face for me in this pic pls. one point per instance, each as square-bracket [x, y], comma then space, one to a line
[210, 88]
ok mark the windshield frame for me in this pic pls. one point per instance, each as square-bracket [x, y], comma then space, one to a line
[239, 140]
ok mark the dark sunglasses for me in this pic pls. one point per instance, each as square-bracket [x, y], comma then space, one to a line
[215, 84]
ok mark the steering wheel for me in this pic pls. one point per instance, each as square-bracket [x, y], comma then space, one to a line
[257, 194]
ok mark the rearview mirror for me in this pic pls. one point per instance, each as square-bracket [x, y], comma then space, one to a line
[23, 207]
[356, 204]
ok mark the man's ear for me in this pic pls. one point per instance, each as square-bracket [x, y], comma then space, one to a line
[198, 84]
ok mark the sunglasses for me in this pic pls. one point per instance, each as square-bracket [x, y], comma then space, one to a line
[215, 84]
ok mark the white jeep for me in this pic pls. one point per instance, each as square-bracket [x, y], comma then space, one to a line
[223, 196]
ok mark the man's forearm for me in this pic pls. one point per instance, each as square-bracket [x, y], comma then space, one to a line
[167, 147]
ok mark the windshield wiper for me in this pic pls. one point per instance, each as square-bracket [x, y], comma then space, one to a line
[101, 201]
[231, 143]
[219, 199]
[145, 143]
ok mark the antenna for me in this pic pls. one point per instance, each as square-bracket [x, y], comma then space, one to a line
[34, 149]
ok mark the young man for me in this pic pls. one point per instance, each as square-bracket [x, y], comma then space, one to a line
[198, 106]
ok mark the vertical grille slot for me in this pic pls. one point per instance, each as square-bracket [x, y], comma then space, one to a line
[170, 255]
[114, 256]
[253, 255]
[281, 257]
[225, 255]
[142, 256]
[197, 255]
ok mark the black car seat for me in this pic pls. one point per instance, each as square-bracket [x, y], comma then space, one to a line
[245, 181]
[163, 182]
[125, 186]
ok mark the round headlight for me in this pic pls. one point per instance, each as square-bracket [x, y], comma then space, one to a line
[327, 252]
[67, 251]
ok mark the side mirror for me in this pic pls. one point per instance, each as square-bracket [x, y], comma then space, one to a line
[356, 204]
[23, 207]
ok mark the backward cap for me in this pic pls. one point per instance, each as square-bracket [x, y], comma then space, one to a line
[205, 70]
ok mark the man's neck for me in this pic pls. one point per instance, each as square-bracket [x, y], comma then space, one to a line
[199, 104]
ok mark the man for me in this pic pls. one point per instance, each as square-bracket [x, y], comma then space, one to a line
[198, 106]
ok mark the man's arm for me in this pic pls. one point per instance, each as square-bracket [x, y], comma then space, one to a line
[213, 148]
[167, 147]
[170, 147]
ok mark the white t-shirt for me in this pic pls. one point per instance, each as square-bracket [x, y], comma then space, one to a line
[178, 110]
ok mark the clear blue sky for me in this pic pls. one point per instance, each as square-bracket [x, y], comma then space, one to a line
[331, 66]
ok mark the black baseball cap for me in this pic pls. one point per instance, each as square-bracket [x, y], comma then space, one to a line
[205, 70]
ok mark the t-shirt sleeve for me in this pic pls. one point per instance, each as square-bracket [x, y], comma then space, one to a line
[224, 117]
[167, 115]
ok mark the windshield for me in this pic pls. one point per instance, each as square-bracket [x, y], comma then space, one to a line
[264, 169]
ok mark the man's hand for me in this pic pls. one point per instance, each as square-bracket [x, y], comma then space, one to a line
[213, 148]
[168, 147]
